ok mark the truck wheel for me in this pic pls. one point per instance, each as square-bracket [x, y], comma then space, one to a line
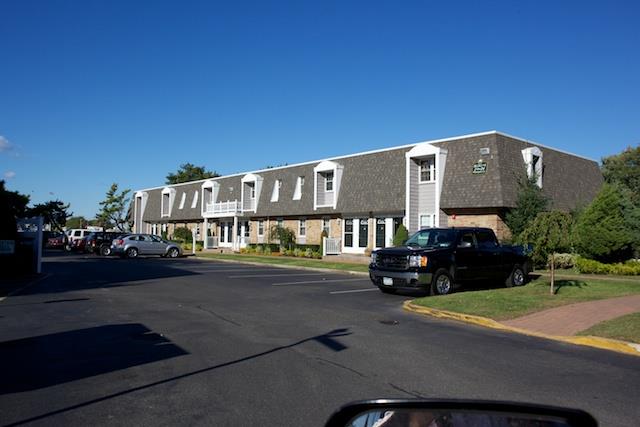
[105, 250]
[516, 278]
[442, 283]
[387, 290]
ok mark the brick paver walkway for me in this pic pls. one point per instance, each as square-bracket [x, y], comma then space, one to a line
[573, 318]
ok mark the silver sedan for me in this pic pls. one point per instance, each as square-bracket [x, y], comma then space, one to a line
[144, 244]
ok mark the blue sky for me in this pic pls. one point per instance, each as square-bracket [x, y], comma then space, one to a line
[95, 92]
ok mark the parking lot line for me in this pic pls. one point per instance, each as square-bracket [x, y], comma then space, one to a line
[354, 290]
[235, 270]
[277, 275]
[308, 282]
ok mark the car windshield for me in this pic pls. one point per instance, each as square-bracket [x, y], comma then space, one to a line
[432, 238]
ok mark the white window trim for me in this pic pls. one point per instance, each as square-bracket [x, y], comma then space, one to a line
[326, 181]
[194, 202]
[432, 216]
[527, 155]
[257, 188]
[300, 221]
[275, 194]
[327, 166]
[432, 171]
[297, 193]
[329, 228]
[172, 194]
[260, 222]
[182, 200]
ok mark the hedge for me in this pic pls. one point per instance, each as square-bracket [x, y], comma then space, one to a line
[589, 266]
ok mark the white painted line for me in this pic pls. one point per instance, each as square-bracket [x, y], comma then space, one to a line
[354, 290]
[277, 275]
[39, 279]
[319, 281]
[236, 270]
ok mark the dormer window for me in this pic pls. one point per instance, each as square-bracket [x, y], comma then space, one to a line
[428, 169]
[194, 202]
[297, 193]
[533, 162]
[250, 193]
[168, 196]
[182, 200]
[275, 195]
[328, 181]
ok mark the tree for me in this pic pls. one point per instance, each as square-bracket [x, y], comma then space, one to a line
[549, 233]
[12, 206]
[54, 213]
[286, 236]
[113, 211]
[188, 172]
[76, 222]
[401, 236]
[602, 233]
[623, 170]
[529, 203]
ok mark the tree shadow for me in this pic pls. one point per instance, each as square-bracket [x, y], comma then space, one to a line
[43, 361]
[328, 339]
[559, 284]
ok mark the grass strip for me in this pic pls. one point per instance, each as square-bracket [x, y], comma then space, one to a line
[290, 261]
[626, 328]
[509, 303]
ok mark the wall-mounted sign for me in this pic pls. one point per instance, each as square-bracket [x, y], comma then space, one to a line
[480, 167]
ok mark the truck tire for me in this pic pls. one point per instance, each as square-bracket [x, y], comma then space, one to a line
[516, 278]
[442, 283]
[105, 250]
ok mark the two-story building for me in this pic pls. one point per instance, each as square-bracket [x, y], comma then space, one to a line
[360, 199]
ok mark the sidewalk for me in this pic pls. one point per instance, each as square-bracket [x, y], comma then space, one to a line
[571, 319]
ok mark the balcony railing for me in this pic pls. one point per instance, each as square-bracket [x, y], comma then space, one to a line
[228, 207]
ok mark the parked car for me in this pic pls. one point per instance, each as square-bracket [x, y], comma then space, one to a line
[144, 244]
[75, 234]
[78, 245]
[99, 242]
[54, 240]
[437, 259]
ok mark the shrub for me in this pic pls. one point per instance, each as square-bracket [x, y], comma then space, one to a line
[186, 247]
[297, 252]
[251, 249]
[284, 235]
[267, 250]
[259, 249]
[401, 236]
[602, 233]
[589, 266]
[563, 261]
[548, 233]
[164, 235]
[529, 203]
[308, 253]
[183, 234]
[317, 255]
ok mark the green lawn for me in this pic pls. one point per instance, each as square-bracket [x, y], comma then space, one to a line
[626, 328]
[294, 262]
[509, 303]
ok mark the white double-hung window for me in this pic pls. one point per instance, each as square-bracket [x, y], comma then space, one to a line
[428, 169]
[275, 195]
[328, 181]
[427, 220]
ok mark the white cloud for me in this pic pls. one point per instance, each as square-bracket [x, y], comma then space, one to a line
[5, 145]
[9, 174]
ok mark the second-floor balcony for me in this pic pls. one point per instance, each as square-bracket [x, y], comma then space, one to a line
[230, 207]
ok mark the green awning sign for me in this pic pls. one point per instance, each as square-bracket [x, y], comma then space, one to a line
[480, 167]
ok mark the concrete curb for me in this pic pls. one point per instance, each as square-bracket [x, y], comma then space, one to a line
[590, 341]
[295, 267]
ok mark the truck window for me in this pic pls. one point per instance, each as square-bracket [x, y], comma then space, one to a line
[486, 240]
[467, 238]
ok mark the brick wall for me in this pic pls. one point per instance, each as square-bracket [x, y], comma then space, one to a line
[493, 221]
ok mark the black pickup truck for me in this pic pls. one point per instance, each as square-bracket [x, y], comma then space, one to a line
[439, 259]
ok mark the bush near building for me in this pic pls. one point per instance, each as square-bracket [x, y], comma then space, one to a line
[589, 266]
[401, 236]
[182, 234]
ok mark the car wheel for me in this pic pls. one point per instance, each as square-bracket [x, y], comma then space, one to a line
[67, 248]
[132, 253]
[105, 250]
[173, 253]
[516, 278]
[442, 283]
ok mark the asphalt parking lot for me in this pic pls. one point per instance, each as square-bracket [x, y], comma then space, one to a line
[198, 342]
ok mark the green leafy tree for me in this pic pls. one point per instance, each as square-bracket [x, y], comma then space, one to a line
[529, 203]
[77, 222]
[549, 233]
[602, 232]
[54, 213]
[286, 236]
[188, 172]
[183, 234]
[623, 170]
[113, 209]
[401, 236]
[12, 205]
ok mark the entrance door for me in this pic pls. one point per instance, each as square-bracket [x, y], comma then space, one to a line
[381, 232]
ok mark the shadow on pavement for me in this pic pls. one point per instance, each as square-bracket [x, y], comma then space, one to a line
[43, 361]
[328, 340]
